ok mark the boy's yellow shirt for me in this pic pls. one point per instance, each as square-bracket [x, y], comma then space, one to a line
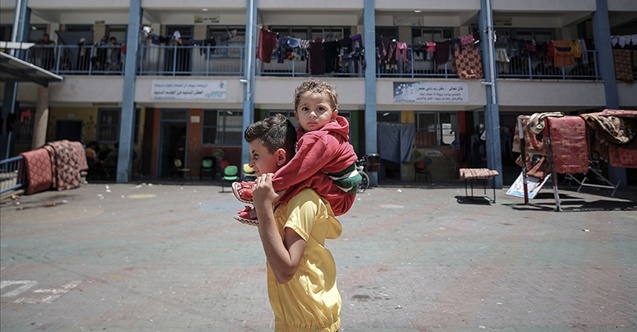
[310, 301]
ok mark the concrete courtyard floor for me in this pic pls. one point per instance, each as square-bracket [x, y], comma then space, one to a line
[143, 257]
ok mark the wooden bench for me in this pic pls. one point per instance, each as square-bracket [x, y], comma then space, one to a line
[472, 174]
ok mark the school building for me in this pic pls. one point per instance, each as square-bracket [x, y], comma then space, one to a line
[441, 81]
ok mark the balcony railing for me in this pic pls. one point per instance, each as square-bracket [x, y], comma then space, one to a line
[191, 60]
[178, 60]
[534, 67]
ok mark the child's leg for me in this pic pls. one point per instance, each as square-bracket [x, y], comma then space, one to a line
[339, 200]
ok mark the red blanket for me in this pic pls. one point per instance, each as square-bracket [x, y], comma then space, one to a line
[38, 168]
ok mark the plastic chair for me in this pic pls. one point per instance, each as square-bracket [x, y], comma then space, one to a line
[230, 174]
[421, 168]
[181, 169]
[248, 173]
[207, 166]
[222, 165]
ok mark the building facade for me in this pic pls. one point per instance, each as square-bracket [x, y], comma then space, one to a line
[441, 81]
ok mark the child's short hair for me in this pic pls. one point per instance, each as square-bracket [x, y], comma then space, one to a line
[316, 86]
[275, 132]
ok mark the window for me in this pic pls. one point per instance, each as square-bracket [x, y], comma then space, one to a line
[108, 125]
[5, 32]
[393, 116]
[117, 31]
[36, 32]
[328, 33]
[435, 129]
[423, 35]
[288, 114]
[226, 36]
[222, 127]
[24, 125]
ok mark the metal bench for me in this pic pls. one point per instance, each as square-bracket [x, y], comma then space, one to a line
[472, 174]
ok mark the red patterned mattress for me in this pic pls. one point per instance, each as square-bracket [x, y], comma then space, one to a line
[38, 168]
[568, 143]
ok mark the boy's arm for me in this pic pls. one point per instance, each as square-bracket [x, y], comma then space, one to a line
[283, 255]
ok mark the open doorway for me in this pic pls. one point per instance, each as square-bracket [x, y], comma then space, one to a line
[172, 142]
[69, 129]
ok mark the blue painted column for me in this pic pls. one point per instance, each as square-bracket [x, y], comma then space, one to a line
[491, 111]
[601, 34]
[127, 123]
[20, 33]
[248, 80]
[371, 135]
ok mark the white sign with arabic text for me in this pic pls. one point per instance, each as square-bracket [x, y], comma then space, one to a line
[431, 92]
[189, 90]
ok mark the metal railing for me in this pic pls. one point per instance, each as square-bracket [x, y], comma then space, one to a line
[537, 67]
[12, 174]
[178, 60]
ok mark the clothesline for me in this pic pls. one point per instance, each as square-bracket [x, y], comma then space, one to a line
[623, 40]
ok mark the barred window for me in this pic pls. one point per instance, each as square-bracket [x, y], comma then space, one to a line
[108, 121]
[435, 129]
[222, 127]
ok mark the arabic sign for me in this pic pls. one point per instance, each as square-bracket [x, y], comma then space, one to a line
[207, 18]
[190, 90]
[431, 92]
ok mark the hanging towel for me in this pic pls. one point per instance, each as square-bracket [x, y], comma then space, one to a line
[267, 44]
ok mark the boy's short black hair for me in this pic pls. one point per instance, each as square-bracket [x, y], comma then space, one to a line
[274, 132]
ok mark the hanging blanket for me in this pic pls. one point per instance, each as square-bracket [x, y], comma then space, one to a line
[623, 66]
[468, 63]
[612, 129]
[82, 164]
[38, 168]
[533, 143]
[64, 163]
[568, 143]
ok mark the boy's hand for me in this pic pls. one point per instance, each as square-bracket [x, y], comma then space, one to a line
[263, 194]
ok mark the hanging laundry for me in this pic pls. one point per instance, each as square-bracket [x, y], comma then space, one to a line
[501, 55]
[316, 58]
[267, 44]
[562, 53]
[401, 51]
[623, 66]
[468, 63]
[443, 50]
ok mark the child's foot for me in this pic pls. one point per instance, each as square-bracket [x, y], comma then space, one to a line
[247, 216]
[243, 191]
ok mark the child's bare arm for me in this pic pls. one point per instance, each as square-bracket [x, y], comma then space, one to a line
[283, 255]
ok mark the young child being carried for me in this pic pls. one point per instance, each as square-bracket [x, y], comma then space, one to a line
[324, 161]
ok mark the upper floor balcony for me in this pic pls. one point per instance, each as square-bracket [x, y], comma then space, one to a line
[195, 60]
